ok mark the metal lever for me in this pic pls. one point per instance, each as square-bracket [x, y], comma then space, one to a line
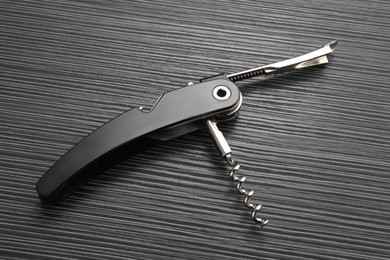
[307, 60]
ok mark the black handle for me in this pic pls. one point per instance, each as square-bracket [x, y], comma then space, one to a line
[174, 114]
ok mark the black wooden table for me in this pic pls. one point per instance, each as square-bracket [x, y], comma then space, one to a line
[315, 144]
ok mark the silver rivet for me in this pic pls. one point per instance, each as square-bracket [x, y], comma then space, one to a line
[190, 84]
[221, 93]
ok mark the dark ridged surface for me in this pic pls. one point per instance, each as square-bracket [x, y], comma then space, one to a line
[315, 144]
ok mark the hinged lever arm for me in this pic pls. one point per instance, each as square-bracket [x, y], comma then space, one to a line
[307, 60]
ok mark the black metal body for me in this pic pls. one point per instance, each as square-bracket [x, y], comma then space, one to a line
[175, 113]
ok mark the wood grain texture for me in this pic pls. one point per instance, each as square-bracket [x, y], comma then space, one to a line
[315, 144]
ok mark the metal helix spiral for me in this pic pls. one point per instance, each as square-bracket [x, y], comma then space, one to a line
[247, 193]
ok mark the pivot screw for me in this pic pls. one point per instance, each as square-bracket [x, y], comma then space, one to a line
[221, 93]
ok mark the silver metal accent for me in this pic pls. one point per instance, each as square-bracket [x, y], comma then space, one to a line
[221, 93]
[307, 60]
[231, 113]
[225, 152]
[190, 83]
[218, 139]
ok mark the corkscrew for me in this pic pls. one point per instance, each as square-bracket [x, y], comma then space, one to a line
[226, 153]
[197, 106]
